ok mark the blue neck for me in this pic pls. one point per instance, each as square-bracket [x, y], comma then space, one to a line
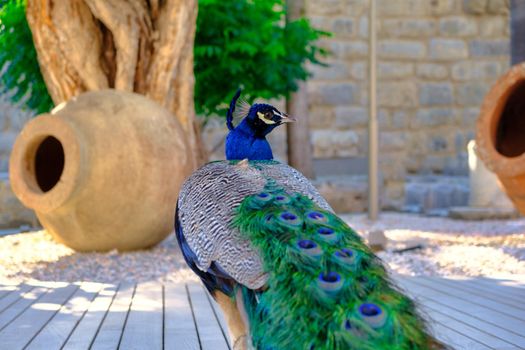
[243, 143]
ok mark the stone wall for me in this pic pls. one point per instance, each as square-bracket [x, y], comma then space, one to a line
[12, 119]
[436, 61]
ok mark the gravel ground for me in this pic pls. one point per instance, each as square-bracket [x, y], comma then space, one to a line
[450, 247]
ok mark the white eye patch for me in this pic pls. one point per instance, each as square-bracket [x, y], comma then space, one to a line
[264, 119]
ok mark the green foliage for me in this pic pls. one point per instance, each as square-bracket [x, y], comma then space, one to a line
[298, 243]
[246, 43]
[20, 71]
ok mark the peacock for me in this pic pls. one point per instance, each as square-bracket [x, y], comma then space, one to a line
[287, 272]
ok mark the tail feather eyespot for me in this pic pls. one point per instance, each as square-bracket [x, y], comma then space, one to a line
[316, 216]
[282, 199]
[372, 314]
[309, 247]
[290, 218]
[327, 234]
[345, 256]
[331, 282]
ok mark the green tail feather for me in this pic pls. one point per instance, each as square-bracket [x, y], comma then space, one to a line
[325, 289]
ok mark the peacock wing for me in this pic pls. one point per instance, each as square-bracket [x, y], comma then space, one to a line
[206, 208]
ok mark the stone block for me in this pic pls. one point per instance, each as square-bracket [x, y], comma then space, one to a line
[500, 7]
[462, 71]
[336, 70]
[344, 194]
[434, 163]
[435, 94]
[493, 26]
[392, 167]
[392, 141]
[471, 94]
[324, 7]
[394, 70]
[476, 70]
[330, 143]
[401, 49]
[397, 94]
[469, 116]
[355, 7]
[458, 26]
[7, 141]
[415, 195]
[477, 214]
[363, 27]
[359, 70]
[12, 212]
[321, 117]
[475, 7]
[321, 22]
[400, 119]
[354, 49]
[431, 71]
[343, 27]
[391, 8]
[431, 117]
[351, 117]
[489, 48]
[334, 93]
[447, 49]
[407, 28]
[438, 143]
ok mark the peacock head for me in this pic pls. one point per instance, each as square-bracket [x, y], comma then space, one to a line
[262, 118]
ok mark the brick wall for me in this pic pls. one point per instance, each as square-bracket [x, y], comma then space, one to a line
[436, 61]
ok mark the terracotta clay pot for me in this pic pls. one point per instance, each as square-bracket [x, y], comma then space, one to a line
[500, 135]
[102, 171]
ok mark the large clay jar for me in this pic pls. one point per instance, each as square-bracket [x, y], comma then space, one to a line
[500, 135]
[102, 171]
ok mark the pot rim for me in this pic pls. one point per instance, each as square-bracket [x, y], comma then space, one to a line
[487, 123]
[22, 169]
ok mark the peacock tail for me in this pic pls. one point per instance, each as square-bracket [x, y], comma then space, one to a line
[260, 233]
[325, 289]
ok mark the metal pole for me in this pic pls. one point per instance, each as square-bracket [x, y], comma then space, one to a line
[373, 201]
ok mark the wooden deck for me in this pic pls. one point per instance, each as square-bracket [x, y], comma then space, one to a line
[476, 313]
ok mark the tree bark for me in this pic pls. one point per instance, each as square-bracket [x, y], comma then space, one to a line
[298, 133]
[142, 46]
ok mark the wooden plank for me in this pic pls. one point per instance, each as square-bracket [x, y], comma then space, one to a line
[475, 299]
[13, 296]
[179, 326]
[510, 337]
[486, 315]
[144, 326]
[21, 331]
[220, 318]
[439, 324]
[484, 291]
[109, 334]
[457, 340]
[85, 331]
[6, 289]
[58, 329]
[20, 305]
[497, 285]
[209, 331]
[487, 339]
[516, 285]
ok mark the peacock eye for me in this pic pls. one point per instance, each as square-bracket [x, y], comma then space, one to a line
[268, 115]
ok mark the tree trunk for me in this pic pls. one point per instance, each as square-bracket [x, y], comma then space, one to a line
[142, 46]
[298, 133]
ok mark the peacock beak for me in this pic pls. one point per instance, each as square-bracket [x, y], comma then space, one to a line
[285, 118]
